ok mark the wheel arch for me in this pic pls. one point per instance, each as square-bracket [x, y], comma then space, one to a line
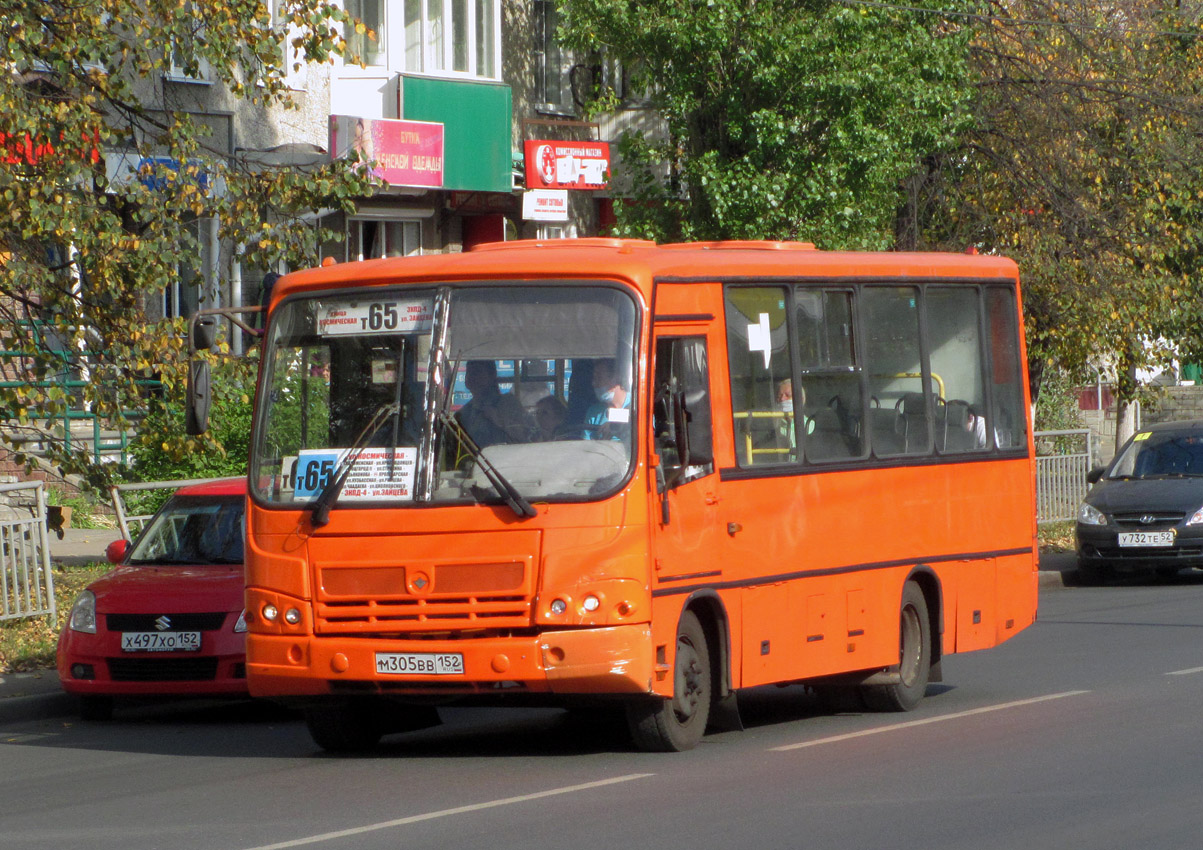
[933, 594]
[708, 607]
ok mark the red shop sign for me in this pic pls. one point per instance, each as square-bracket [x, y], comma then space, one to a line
[567, 165]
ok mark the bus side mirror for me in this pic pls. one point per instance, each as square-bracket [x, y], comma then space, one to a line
[196, 414]
[204, 332]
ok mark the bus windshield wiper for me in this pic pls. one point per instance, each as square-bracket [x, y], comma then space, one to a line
[319, 510]
[517, 502]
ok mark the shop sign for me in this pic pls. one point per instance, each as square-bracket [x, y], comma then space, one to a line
[545, 205]
[405, 153]
[567, 165]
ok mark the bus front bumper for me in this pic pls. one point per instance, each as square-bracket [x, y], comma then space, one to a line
[611, 660]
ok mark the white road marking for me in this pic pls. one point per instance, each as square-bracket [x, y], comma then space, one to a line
[956, 716]
[444, 813]
[1186, 672]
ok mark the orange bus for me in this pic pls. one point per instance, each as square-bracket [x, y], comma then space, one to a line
[605, 469]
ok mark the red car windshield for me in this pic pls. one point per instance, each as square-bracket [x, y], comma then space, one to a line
[192, 530]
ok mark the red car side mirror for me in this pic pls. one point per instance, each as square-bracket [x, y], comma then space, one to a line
[116, 550]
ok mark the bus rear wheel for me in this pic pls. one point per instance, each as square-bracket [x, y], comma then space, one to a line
[914, 657]
[677, 724]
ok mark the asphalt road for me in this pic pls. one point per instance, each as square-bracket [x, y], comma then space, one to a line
[1083, 731]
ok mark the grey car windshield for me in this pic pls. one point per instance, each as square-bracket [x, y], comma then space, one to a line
[426, 395]
[1161, 453]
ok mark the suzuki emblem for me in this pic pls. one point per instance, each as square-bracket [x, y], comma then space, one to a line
[163, 623]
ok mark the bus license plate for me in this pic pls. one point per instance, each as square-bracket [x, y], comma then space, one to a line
[160, 641]
[1146, 538]
[420, 663]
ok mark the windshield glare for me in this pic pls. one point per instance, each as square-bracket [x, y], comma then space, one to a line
[193, 531]
[532, 383]
[1153, 454]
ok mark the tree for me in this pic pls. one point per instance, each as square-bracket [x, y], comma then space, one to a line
[85, 244]
[1084, 165]
[786, 120]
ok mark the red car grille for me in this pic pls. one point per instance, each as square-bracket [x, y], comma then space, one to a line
[162, 669]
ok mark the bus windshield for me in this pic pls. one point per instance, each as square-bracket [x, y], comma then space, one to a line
[447, 395]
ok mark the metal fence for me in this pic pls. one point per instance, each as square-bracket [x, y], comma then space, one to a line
[1063, 458]
[131, 525]
[26, 580]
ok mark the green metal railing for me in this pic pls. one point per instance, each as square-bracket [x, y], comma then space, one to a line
[63, 427]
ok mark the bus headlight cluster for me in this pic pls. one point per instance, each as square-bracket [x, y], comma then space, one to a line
[271, 613]
[558, 606]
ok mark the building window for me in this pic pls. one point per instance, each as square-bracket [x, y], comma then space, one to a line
[553, 64]
[453, 37]
[368, 47]
[182, 297]
[370, 239]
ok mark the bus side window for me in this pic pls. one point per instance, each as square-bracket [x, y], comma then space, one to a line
[899, 420]
[759, 352]
[955, 340]
[1006, 371]
[831, 375]
[681, 408]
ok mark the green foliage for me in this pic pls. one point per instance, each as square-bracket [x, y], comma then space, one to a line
[1057, 403]
[86, 246]
[163, 453]
[785, 120]
[1084, 165]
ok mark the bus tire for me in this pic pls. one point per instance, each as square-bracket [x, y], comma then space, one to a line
[677, 724]
[914, 657]
[351, 727]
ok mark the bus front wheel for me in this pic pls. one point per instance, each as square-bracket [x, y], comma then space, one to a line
[914, 657]
[350, 727]
[677, 724]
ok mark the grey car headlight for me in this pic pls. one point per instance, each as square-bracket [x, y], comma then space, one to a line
[1090, 515]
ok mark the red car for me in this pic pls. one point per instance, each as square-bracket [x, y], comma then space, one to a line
[169, 621]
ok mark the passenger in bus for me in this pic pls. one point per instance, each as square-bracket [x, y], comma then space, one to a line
[785, 404]
[975, 424]
[610, 416]
[491, 416]
[550, 414]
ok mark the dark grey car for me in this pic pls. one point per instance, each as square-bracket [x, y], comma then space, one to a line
[1145, 511]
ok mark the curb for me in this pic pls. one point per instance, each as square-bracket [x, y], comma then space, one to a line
[37, 707]
[1055, 578]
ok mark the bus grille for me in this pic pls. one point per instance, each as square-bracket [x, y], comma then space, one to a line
[406, 615]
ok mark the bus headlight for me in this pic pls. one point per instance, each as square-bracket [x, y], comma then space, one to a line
[1090, 515]
[270, 613]
[558, 606]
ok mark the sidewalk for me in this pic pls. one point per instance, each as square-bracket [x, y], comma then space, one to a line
[38, 695]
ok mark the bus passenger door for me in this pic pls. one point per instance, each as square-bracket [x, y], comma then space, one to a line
[689, 537]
